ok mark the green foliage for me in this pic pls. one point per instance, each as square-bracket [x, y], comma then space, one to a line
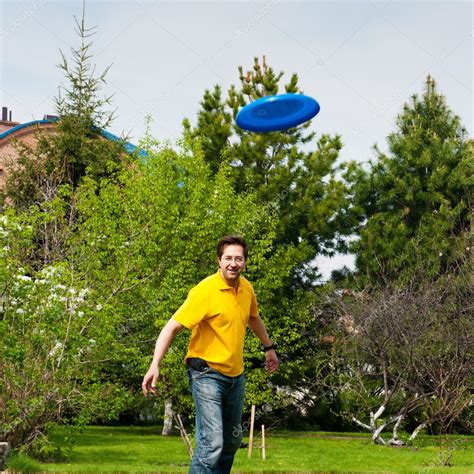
[80, 99]
[300, 185]
[75, 148]
[414, 202]
[148, 239]
[52, 342]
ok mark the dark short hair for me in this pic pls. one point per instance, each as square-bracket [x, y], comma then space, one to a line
[231, 240]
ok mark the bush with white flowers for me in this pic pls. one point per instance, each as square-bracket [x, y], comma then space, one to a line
[51, 339]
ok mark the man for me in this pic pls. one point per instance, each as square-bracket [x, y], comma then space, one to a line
[217, 311]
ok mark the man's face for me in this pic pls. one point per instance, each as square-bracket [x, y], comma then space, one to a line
[232, 263]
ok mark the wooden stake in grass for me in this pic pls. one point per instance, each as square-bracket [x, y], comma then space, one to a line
[183, 434]
[252, 421]
[264, 456]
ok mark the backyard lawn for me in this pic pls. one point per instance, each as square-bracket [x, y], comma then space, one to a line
[143, 449]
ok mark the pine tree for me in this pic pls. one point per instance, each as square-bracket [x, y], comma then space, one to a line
[77, 147]
[80, 99]
[300, 185]
[415, 202]
[44, 179]
[83, 113]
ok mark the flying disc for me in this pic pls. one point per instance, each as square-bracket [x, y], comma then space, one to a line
[277, 112]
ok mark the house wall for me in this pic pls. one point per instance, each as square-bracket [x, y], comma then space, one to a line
[8, 151]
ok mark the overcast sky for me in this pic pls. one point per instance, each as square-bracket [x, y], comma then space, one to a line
[360, 60]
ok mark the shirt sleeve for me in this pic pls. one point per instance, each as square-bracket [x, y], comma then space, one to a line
[194, 309]
[253, 305]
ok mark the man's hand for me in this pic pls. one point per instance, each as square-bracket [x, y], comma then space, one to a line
[164, 340]
[149, 381]
[258, 328]
[271, 361]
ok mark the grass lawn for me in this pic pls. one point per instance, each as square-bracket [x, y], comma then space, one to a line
[142, 449]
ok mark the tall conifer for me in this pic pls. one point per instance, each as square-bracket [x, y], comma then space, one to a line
[415, 201]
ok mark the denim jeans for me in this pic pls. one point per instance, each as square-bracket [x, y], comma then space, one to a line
[218, 400]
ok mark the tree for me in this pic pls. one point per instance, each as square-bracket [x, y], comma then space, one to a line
[54, 339]
[83, 114]
[53, 343]
[88, 321]
[403, 355]
[414, 202]
[80, 98]
[54, 166]
[147, 239]
[301, 185]
[77, 146]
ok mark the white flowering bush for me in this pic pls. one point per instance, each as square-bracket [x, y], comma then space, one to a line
[52, 342]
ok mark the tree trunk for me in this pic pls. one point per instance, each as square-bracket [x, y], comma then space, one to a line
[416, 431]
[395, 441]
[168, 419]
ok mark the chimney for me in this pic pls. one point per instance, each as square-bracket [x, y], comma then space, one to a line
[4, 114]
[51, 118]
[10, 118]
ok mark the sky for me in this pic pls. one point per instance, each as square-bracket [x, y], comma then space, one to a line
[361, 60]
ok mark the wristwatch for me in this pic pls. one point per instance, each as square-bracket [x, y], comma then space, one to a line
[269, 348]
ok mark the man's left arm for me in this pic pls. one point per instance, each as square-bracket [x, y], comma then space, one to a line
[258, 328]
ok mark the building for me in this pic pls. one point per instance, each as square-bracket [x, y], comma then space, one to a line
[27, 133]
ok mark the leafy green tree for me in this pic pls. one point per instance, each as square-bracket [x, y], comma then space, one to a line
[301, 185]
[148, 239]
[415, 201]
[54, 339]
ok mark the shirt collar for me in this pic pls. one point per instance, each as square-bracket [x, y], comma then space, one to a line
[222, 285]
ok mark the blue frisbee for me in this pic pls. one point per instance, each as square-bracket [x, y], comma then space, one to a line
[277, 112]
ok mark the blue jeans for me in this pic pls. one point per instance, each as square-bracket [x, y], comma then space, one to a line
[218, 400]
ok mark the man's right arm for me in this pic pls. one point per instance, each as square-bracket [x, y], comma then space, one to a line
[163, 342]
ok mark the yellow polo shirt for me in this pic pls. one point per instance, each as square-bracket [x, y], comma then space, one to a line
[218, 317]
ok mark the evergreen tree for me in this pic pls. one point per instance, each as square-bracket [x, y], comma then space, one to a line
[83, 113]
[76, 148]
[46, 175]
[80, 98]
[300, 185]
[415, 202]
[294, 176]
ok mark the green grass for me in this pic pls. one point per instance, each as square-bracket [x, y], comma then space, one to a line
[142, 449]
